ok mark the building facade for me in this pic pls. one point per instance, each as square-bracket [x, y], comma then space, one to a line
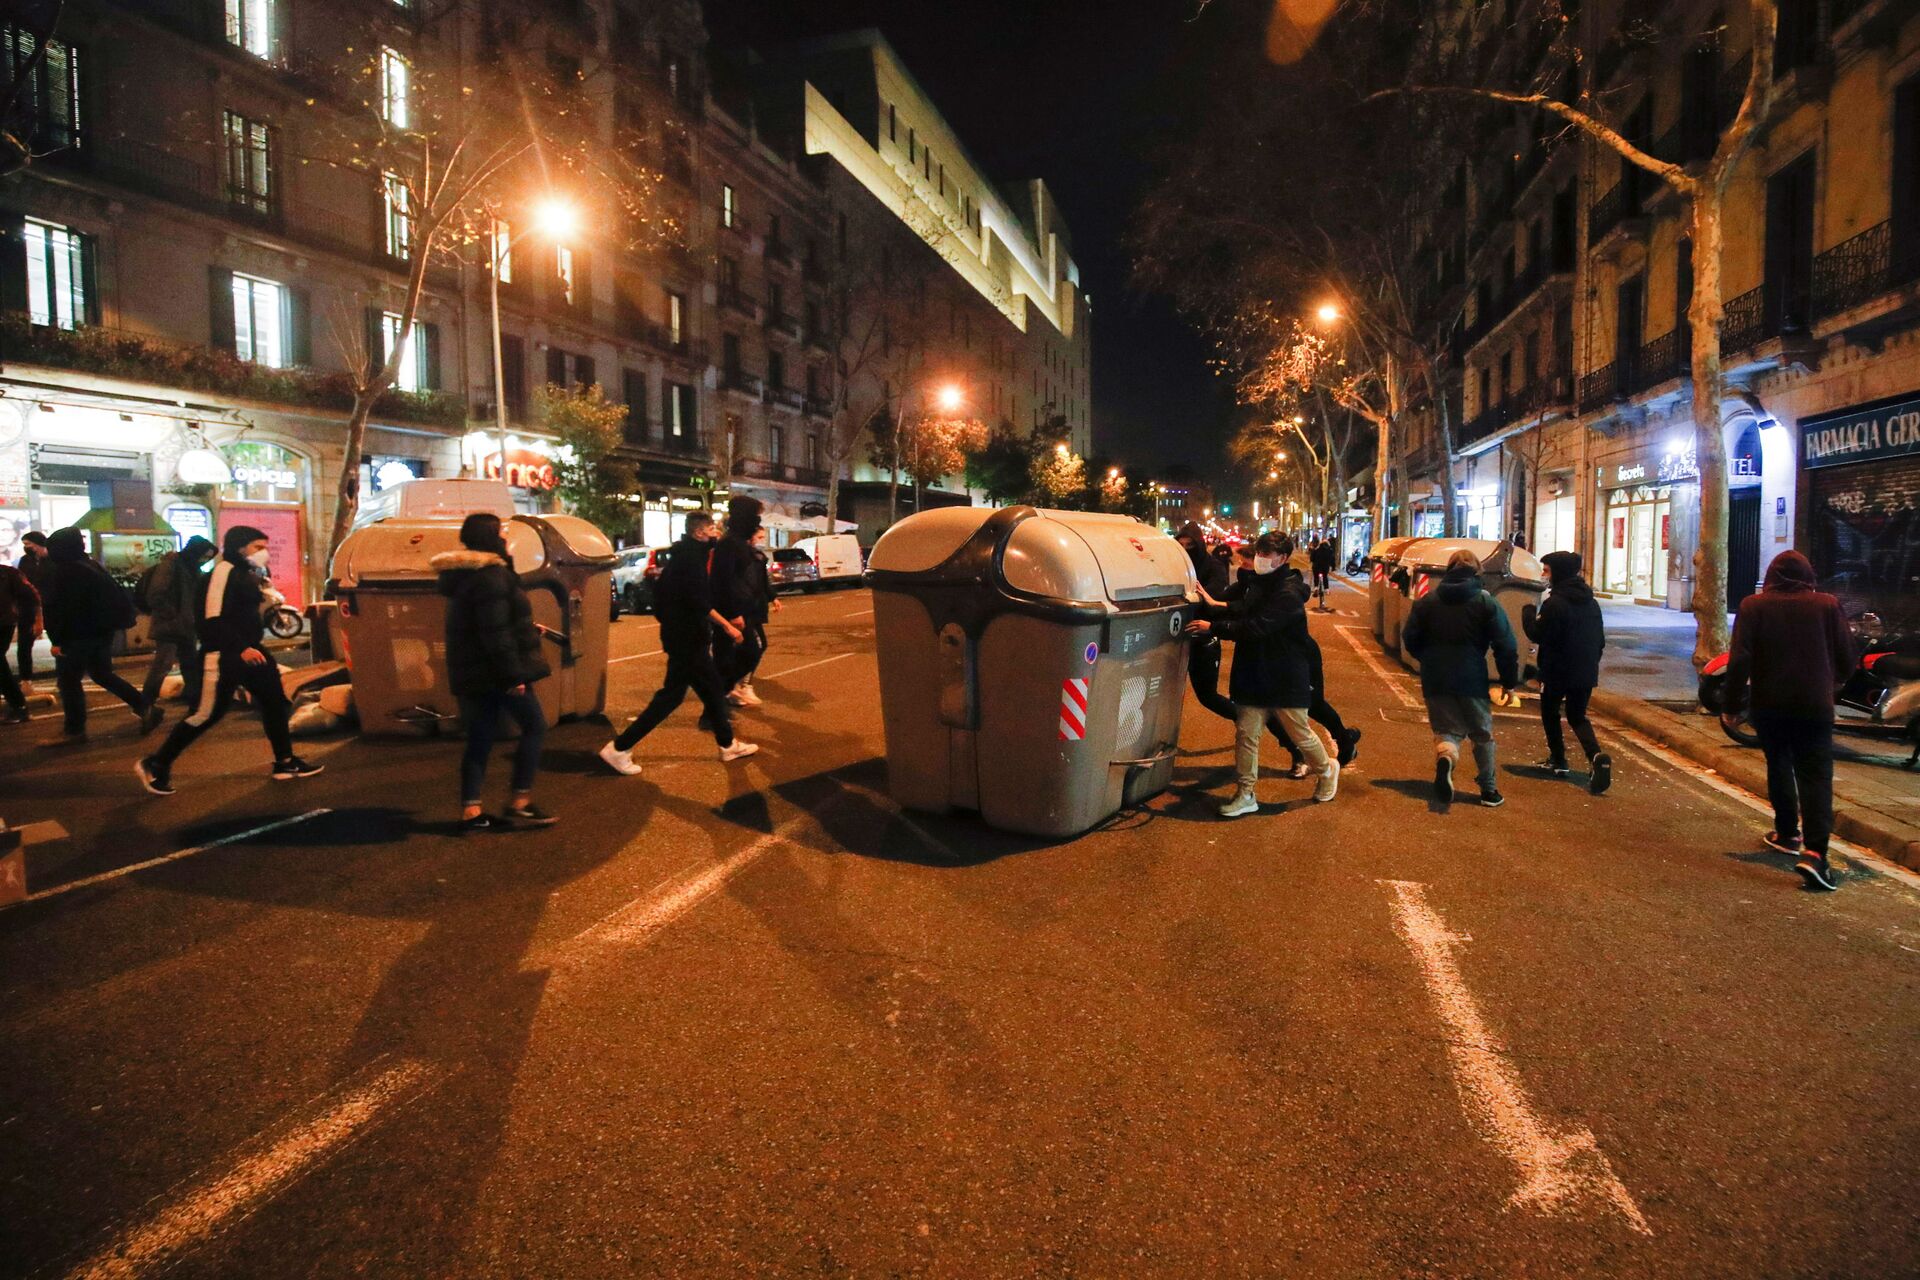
[1575, 402]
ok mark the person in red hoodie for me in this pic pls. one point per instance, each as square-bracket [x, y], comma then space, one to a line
[1792, 649]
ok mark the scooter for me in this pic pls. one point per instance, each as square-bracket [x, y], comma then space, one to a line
[1881, 699]
[1355, 563]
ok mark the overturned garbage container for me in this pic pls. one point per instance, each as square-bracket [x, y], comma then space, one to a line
[391, 621]
[1032, 663]
[1382, 556]
[1514, 578]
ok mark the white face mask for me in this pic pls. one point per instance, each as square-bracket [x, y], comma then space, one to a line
[1267, 564]
[261, 559]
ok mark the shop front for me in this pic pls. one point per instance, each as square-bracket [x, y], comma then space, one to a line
[1860, 492]
[526, 465]
[1636, 524]
[268, 491]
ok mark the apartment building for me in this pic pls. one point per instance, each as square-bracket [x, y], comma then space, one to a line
[1574, 419]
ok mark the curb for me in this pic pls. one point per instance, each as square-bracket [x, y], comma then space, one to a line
[1887, 836]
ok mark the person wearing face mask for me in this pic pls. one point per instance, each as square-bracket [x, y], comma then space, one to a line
[232, 633]
[1272, 672]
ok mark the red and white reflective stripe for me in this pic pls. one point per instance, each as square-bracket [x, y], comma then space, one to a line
[1426, 584]
[1379, 572]
[1073, 709]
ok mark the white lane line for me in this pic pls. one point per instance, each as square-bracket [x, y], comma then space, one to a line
[259, 1170]
[808, 666]
[1556, 1170]
[635, 657]
[175, 856]
[1367, 656]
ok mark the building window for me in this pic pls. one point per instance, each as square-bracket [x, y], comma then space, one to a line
[260, 321]
[49, 92]
[58, 274]
[398, 203]
[893, 124]
[250, 26]
[503, 250]
[412, 375]
[813, 453]
[913, 147]
[249, 164]
[633, 387]
[729, 209]
[676, 318]
[730, 353]
[776, 370]
[395, 76]
[563, 272]
[776, 445]
[677, 405]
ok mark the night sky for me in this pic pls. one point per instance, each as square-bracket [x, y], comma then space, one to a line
[1080, 94]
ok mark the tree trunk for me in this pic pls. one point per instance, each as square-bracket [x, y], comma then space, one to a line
[893, 472]
[1449, 488]
[1704, 313]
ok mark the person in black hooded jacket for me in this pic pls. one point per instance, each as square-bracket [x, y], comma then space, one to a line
[1570, 634]
[1203, 651]
[1450, 630]
[82, 607]
[493, 662]
[738, 575]
[233, 656]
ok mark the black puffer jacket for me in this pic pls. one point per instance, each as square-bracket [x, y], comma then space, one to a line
[739, 578]
[492, 644]
[1272, 655]
[1450, 631]
[1571, 635]
[683, 597]
[80, 601]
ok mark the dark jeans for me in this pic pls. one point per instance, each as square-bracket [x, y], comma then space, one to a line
[219, 677]
[482, 713]
[89, 659]
[165, 654]
[687, 669]
[1203, 673]
[1799, 775]
[25, 642]
[1321, 582]
[9, 687]
[733, 660]
[1552, 699]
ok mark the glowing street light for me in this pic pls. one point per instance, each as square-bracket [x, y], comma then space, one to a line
[1113, 473]
[1327, 313]
[1299, 419]
[1061, 449]
[556, 219]
[949, 398]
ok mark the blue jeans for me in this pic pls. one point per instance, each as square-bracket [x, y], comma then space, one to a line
[482, 713]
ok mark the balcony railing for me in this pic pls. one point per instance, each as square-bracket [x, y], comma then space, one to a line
[819, 407]
[1661, 360]
[738, 302]
[781, 322]
[1598, 387]
[1746, 322]
[785, 472]
[740, 380]
[1856, 271]
[786, 397]
[1542, 394]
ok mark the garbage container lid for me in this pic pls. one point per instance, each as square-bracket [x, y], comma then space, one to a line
[1391, 548]
[401, 550]
[570, 540]
[1498, 560]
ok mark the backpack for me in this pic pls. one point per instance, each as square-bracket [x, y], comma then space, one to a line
[143, 588]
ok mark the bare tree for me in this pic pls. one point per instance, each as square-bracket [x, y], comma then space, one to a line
[19, 115]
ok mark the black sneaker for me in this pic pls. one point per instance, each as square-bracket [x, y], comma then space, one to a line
[1555, 768]
[1490, 798]
[1814, 869]
[1349, 748]
[154, 777]
[482, 822]
[1784, 844]
[526, 815]
[1443, 779]
[67, 741]
[150, 719]
[1602, 775]
[15, 715]
[294, 767]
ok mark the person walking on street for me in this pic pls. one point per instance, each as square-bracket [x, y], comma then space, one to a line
[82, 608]
[738, 575]
[19, 607]
[232, 656]
[33, 566]
[1450, 631]
[170, 594]
[1268, 625]
[761, 605]
[1570, 634]
[1791, 650]
[493, 662]
[683, 602]
[1203, 651]
[1322, 558]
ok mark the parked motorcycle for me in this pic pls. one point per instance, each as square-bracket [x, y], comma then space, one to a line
[1881, 699]
[1355, 563]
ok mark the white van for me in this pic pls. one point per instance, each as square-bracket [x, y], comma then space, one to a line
[838, 557]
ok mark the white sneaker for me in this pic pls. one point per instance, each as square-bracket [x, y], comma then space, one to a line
[1240, 806]
[744, 696]
[1328, 785]
[621, 762]
[738, 751]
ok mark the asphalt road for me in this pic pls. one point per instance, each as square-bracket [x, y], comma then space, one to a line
[751, 1019]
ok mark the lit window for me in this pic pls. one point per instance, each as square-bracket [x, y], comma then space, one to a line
[259, 321]
[410, 376]
[676, 318]
[250, 26]
[563, 268]
[399, 208]
[249, 164]
[56, 274]
[48, 90]
[395, 76]
[503, 250]
[728, 209]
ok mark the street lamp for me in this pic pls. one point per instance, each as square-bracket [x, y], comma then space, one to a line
[950, 398]
[1328, 313]
[554, 218]
[1061, 448]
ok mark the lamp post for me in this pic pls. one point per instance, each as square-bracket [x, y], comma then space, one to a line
[554, 218]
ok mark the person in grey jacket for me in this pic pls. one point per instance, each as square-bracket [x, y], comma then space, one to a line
[173, 611]
[1450, 631]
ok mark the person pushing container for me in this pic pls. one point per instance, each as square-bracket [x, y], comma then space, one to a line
[1450, 630]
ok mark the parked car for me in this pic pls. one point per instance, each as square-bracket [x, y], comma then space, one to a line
[837, 556]
[634, 573]
[790, 569]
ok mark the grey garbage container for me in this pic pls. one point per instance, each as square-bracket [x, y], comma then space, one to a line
[1514, 577]
[1381, 558]
[1398, 596]
[1032, 663]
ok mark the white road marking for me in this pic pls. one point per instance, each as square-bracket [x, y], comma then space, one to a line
[175, 856]
[1367, 656]
[259, 1170]
[861, 613]
[808, 666]
[1557, 1170]
[635, 657]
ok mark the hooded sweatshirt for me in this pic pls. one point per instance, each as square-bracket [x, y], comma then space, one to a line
[1450, 630]
[1568, 628]
[1791, 645]
[82, 603]
[231, 623]
[173, 594]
